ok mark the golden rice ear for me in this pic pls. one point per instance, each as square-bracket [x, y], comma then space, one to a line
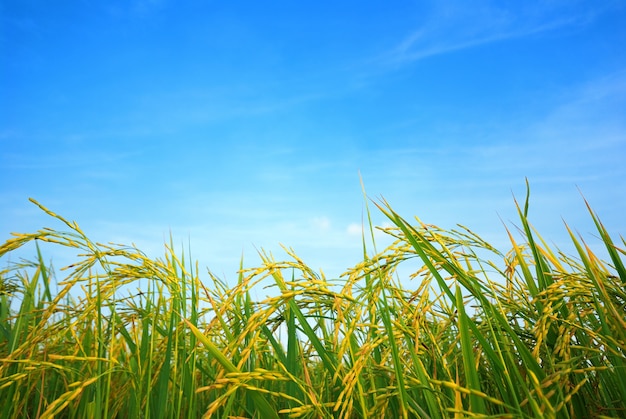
[439, 322]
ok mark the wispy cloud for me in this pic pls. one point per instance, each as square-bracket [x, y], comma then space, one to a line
[456, 25]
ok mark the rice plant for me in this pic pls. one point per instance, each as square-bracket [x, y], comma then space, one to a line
[473, 332]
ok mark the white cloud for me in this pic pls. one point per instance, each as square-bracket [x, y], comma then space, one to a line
[354, 229]
[456, 25]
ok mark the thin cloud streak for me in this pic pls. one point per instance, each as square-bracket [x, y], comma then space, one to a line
[457, 26]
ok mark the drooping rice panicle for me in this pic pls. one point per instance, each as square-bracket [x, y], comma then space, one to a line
[473, 331]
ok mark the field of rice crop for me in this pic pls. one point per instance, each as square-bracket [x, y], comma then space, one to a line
[523, 332]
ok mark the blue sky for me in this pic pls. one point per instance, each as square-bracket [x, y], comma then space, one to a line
[242, 125]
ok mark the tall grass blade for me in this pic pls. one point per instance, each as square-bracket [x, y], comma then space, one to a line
[469, 331]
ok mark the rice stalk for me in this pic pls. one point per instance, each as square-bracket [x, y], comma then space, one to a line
[473, 331]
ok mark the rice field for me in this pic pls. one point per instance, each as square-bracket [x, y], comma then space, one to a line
[522, 332]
